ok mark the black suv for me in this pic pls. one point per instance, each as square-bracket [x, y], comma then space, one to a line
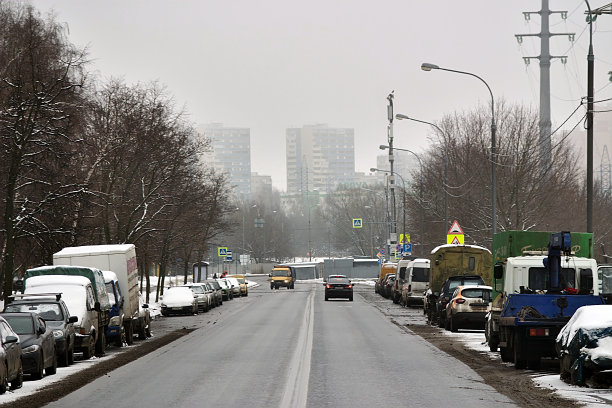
[52, 309]
[448, 288]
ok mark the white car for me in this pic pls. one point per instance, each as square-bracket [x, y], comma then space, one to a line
[235, 286]
[179, 300]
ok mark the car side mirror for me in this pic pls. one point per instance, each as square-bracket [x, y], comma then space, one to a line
[97, 307]
[11, 339]
[498, 271]
[73, 319]
[41, 330]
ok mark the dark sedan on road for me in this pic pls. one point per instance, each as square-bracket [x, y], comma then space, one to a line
[338, 287]
[37, 343]
[54, 312]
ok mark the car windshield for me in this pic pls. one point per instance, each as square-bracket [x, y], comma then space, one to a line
[538, 278]
[280, 272]
[197, 289]
[21, 324]
[48, 311]
[339, 280]
[474, 293]
[420, 274]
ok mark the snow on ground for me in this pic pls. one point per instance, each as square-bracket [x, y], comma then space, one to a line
[592, 398]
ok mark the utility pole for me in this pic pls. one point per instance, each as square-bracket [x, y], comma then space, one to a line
[545, 58]
[393, 230]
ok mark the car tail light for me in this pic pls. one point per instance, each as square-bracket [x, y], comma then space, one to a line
[349, 286]
[539, 332]
[328, 286]
[460, 301]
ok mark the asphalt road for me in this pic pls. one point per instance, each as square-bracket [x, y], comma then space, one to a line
[290, 348]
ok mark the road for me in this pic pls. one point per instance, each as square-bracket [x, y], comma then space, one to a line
[291, 349]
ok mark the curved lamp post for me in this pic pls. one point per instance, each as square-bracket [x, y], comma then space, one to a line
[428, 67]
[383, 147]
[399, 116]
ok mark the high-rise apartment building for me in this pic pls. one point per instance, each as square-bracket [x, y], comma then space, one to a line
[319, 158]
[231, 153]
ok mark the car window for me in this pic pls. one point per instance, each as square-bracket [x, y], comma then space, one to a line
[21, 324]
[455, 293]
[606, 280]
[420, 274]
[90, 298]
[5, 331]
[281, 272]
[339, 280]
[474, 293]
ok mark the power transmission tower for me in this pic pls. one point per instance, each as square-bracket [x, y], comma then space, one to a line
[605, 172]
[545, 58]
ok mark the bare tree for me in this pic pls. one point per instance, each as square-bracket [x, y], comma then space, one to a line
[41, 75]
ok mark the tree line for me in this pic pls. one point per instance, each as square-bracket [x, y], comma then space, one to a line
[85, 161]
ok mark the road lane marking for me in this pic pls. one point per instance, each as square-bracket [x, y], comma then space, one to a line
[296, 387]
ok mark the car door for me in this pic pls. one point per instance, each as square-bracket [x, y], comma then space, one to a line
[13, 350]
[48, 342]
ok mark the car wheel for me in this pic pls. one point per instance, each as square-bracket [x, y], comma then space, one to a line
[100, 345]
[441, 322]
[4, 379]
[447, 324]
[18, 381]
[71, 356]
[129, 333]
[453, 325]
[326, 298]
[564, 365]
[351, 298]
[64, 359]
[38, 374]
[142, 332]
[148, 330]
[53, 368]
[246, 293]
[89, 350]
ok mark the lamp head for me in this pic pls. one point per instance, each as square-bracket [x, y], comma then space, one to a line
[400, 116]
[426, 66]
[383, 147]
[372, 170]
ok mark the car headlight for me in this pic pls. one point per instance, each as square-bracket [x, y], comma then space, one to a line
[30, 349]
[286, 280]
[114, 321]
[58, 333]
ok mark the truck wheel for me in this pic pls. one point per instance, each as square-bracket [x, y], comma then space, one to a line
[506, 354]
[520, 361]
[101, 342]
[129, 333]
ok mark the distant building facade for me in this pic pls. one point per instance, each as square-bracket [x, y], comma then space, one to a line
[261, 185]
[231, 154]
[319, 158]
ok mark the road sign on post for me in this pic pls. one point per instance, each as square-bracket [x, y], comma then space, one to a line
[228, 255]
[221, 251]
[455, 234]
[357, 222]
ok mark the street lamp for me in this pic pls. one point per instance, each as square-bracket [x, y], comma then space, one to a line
[383, 147]
[399, 116]
[428, 67]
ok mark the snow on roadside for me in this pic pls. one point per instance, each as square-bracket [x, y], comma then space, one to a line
[592, 398]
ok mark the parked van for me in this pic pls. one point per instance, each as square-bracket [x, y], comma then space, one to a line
[417, 282]
[78, 294]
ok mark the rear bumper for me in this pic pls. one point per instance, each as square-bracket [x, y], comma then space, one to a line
[339, 293]
[472, 319]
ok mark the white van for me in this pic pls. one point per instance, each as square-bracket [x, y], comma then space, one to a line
[417, 282]
[78, 294]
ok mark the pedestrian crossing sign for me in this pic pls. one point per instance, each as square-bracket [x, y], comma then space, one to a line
[221, 251]
[357, 222]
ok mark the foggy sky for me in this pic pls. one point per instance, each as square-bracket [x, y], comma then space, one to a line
[273, 64]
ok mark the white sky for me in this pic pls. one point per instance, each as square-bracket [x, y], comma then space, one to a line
[273, 64]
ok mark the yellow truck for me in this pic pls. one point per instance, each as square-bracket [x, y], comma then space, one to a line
[282, 275]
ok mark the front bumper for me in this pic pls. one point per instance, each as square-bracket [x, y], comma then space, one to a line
[31, 361]
[168, 310]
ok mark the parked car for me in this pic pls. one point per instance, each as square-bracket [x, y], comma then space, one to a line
[448, 288]
[210, 294]
[388, 285]
[218, 292]
[37, 343]
[226, 288]
[235, 285]
[584, 346]
[55, 313]
[202, 298]
[338, 288]
[468, 307]
[11, 368]
[143, 323]
[244, 290]
[179, 300]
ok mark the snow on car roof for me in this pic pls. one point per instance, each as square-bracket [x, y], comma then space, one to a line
[44, 280]
[587, 317]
